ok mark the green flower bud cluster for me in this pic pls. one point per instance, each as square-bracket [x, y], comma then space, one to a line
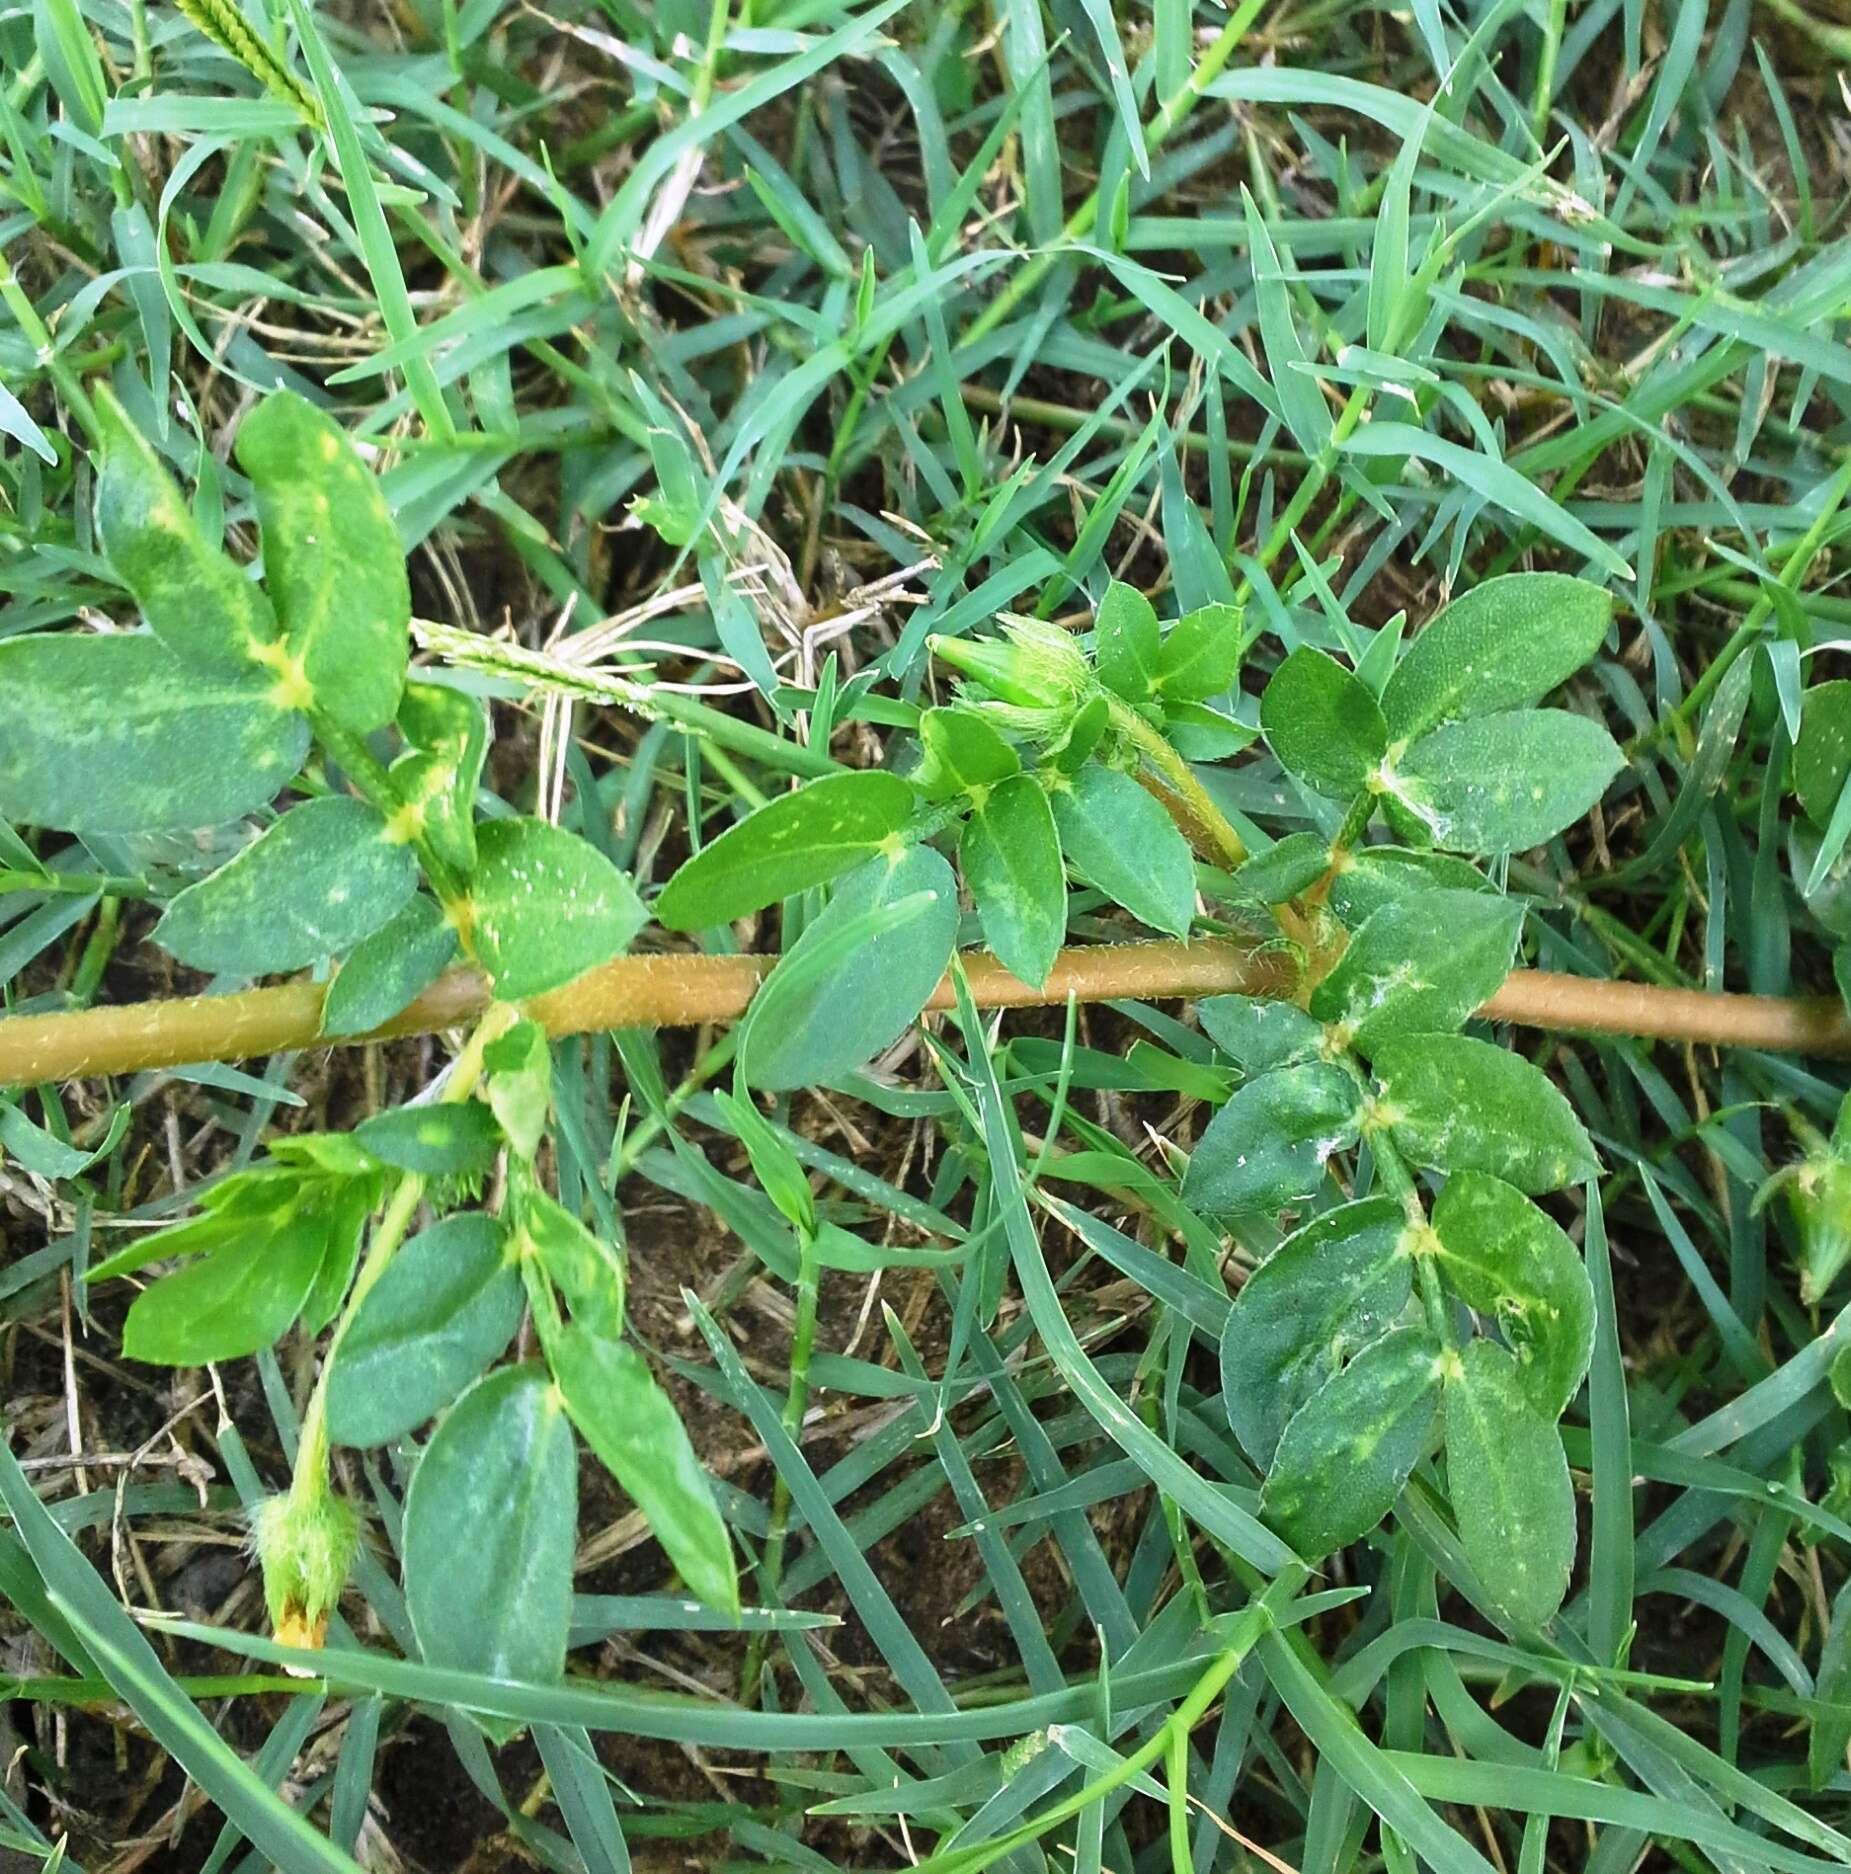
[305, 1540]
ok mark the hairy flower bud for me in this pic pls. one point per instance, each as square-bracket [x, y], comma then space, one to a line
[1033, 667]
[306, 1542]
[1819, 1195]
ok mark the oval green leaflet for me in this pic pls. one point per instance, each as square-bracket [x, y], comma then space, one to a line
[545, 906]
[382, 974]
[1269, 1145]
[491, 1520]
[199, 602]
[1323, 724]
[1347, 1451]
[585, 1269]
[332, 560]
[1511, 1492]
[962, 754]
[116, 734]
[1458, 1104]
[1117, 838]
[1325, 1292]
[857, 976]
[1504, 783]
[1506, 1260]
[800, 839]
[1419, 965]
[1505, 644]
[436, 1139]
[1127, 643]
[446, 1306]
[1009, 853]
[324, 876]
[630, 1422]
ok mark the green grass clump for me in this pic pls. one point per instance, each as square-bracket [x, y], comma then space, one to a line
[1367, 488]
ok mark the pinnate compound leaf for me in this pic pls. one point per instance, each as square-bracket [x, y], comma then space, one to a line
[384, 973]
[1420, 966]
[1269, 1145]
[631, 1423]
[1010, 855]
[115, 734]
[447, 1304]
[491, 1520]
[1117, 838]
[1511, 1491]
[1504, 645]
[324, 876]
[1347, 1451]
[798, 840]
[1126, 643]
[843, 992]
[547, 906]
[1511, 1263]
[1325, 1292]
[962, 755]
[1200, 654]
[1323, 724]
[195, 598]
[332, 560]
[1457, 1104]
[1504, 783]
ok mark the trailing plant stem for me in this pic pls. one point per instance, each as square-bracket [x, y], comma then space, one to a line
[692, 990]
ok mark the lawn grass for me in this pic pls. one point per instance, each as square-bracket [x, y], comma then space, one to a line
[904, 317]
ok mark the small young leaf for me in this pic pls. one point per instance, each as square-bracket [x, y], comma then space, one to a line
[1269, 1145]
[1126, 643]
[1010, 855]
[1200, 654]
[332, 559]
[447, 1305]
[1492, 784]
[582, 1266]
[1116, 837]
[1323, 724]
[320, 879]
[1822, 754]
[1504, 645]
[1259, 1034]
[631, 1423]
[1510, 1487]
[1324, 1293]
[117, 735]
[1199, 733]
[384, 973]
[788, 845]
[1420, 965]
[491, 1519]
[445, 1139]
[811, 1025]
[1504, 1258]
[448, 733]
[230, 1302]
[1287, 867]
[963, 755]
[1456, 1104]
[196, 600]
[1347, 1451]
[547, 906]
[519, 1066]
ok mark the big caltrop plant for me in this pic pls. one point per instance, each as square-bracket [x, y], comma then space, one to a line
[234, 695]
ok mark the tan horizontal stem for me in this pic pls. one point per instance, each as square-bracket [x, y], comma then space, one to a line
[680, 990]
